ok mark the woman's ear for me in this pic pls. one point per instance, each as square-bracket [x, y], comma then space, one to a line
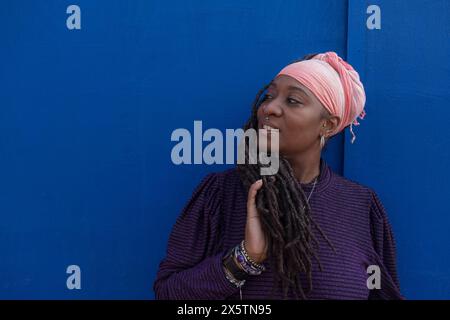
[335, 121]
[331, 124]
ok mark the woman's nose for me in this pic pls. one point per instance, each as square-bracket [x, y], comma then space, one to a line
[273, 108]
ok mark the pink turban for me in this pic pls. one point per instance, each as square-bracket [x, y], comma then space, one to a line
[335, 84]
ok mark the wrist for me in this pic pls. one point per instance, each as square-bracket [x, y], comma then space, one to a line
[254, 259]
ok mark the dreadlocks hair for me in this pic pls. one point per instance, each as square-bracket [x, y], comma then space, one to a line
[285, 217]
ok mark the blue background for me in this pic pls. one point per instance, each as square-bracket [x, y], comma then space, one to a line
[86, 118]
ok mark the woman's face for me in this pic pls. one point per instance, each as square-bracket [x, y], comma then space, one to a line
[295, 112]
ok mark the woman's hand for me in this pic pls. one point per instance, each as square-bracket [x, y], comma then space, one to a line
[255, 239]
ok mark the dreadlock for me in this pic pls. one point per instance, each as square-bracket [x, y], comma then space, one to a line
[285, 217]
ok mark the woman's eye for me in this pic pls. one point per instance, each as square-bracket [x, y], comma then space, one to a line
[267, 97]
[293, 101]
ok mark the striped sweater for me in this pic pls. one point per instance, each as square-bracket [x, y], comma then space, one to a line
[351, 216]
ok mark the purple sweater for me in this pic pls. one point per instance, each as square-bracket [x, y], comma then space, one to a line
[351, 215]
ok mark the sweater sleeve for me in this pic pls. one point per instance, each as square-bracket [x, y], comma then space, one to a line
[192, 268]
[384, 252]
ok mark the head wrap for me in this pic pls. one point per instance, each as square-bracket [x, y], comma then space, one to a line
[335, 84]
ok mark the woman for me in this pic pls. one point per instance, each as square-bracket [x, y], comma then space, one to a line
[303, 233]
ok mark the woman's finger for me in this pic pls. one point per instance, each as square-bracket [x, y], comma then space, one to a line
[253, 191]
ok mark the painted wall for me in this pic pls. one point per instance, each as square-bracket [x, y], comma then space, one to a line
[86, 118]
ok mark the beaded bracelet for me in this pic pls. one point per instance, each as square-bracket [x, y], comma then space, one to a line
[253, 263]
[245, 264]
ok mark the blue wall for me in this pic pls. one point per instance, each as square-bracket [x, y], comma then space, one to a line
[86, 118]
[404, 148]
